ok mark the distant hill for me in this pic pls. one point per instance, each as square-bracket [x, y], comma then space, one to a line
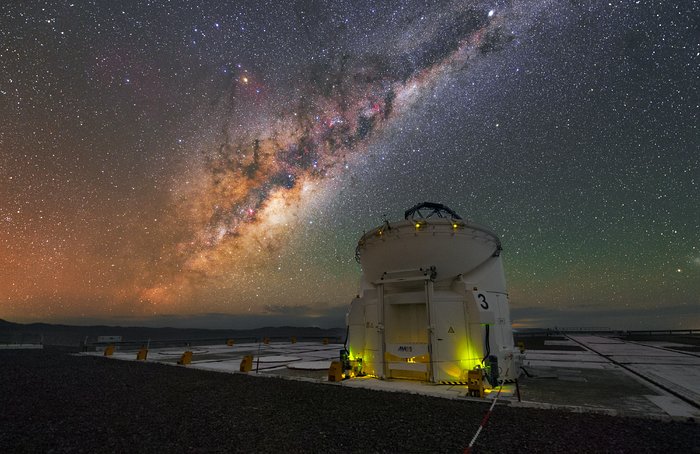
[74, 336]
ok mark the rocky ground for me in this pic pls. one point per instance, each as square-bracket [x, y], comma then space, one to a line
[55, 402]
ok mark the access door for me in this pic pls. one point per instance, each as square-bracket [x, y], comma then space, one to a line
[452, 355]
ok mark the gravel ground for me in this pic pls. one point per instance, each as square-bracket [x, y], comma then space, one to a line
[53, 402]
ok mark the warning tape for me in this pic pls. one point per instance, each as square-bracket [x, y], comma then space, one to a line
[444, 382]
[485, 419]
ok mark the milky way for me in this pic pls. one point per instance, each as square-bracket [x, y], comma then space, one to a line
[252, 186]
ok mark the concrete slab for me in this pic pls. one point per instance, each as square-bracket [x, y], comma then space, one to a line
[657, 360]
[661, 344]
[582, 380]
[598, 340]
[21, 346]
[681, 379]
[230, 367]
[675, 407]
[559, 342]
[572, 356]
[601, 389]
[570, 364]
[675, 371]
[311, 365]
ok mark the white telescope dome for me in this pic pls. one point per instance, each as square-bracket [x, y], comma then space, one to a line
[433, 303]
[453, 246]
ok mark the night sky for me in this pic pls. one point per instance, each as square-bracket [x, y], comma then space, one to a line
[214, 164]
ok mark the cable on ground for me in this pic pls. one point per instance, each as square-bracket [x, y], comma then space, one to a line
[485, 419]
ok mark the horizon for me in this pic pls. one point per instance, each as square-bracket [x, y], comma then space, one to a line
[241, 322]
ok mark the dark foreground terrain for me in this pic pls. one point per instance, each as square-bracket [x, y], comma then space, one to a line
[54, 402]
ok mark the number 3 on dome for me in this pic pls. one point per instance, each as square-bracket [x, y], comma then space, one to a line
[484, 304]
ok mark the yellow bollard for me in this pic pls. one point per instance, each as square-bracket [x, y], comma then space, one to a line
[475, 382]
[186, 358]
[335, 372]
[230, 342]
[109, 350]
[142, 354]
[247, 363]
[521, 346]
[294, 339]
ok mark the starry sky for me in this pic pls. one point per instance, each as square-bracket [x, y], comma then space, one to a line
[214, 163]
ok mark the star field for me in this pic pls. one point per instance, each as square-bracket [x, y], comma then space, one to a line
[173, 160]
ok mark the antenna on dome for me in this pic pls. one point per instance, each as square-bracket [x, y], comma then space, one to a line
[427, 210]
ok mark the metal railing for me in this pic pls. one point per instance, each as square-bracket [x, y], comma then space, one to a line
[664, 331]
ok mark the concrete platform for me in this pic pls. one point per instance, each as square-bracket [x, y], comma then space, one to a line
[602, 377]
[21, 346]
